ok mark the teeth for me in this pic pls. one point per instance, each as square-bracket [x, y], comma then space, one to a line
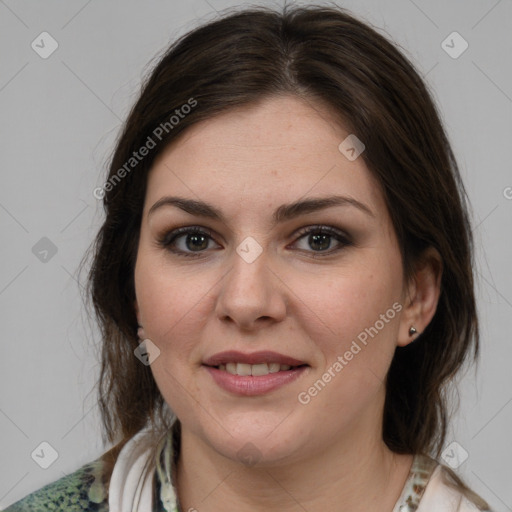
[256, 370]
[274, 367]
[231, 368]
[259, 369]
[243, 369]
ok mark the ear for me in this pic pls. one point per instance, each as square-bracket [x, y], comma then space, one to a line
[137, 312]
[421, 296]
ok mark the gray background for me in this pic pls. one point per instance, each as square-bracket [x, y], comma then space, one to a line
[60, 118]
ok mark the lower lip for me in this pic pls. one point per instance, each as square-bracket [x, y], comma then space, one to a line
[252, 386]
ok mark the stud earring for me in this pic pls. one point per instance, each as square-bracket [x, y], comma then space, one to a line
[412, 331]
[141, 333]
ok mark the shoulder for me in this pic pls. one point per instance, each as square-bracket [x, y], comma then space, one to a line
[81, 490]
[446, 492]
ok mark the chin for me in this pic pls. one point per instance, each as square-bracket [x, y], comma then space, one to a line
[253, 442]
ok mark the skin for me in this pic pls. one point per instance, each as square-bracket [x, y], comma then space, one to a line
[314, 456]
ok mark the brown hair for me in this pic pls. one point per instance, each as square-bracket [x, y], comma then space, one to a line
[325, 56]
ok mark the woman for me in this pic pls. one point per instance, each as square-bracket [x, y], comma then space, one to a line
[283, 280]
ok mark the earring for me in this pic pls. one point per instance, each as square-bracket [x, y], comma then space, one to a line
[412, 331]
[140, 333]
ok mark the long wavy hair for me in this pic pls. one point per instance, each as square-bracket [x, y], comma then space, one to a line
[323, 55]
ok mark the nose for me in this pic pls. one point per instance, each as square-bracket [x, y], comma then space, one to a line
[251, 293]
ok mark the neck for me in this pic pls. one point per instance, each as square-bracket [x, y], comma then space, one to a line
[356, 475]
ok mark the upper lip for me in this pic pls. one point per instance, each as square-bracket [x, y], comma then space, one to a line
[265, 356]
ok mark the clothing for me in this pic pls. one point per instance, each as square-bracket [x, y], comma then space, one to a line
[425, 490]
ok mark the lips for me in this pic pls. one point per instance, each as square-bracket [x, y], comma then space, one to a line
[254, 358]
[250, 385]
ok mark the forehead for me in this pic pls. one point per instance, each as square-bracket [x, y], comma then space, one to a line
[276, 151]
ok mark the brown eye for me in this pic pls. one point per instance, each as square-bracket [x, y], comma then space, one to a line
[193, 240]
[319, 239]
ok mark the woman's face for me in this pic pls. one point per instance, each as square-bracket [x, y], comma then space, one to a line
[254, 280]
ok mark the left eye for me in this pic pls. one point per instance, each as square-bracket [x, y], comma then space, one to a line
[197, 240]
[320, 237]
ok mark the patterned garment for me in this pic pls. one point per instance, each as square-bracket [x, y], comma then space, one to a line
[85, 489]
[79, 491]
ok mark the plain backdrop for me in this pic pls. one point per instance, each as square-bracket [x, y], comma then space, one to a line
[60, 116]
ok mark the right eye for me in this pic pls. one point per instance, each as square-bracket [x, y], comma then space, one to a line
[191, 238]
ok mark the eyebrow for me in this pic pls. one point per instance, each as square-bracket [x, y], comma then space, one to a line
[282, 213]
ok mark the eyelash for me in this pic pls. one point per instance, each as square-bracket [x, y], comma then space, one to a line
[168, 239]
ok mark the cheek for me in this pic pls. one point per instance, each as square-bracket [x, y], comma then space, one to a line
[355, 332]
[356, 319]
[175, 306]
[170, 301]
[342, 304]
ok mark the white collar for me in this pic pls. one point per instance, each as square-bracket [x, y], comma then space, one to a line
[128, 490]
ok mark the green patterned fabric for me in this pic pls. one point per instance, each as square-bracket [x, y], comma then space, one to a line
[79, 491]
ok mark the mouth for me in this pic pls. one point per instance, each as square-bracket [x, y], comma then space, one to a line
[253, 374]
